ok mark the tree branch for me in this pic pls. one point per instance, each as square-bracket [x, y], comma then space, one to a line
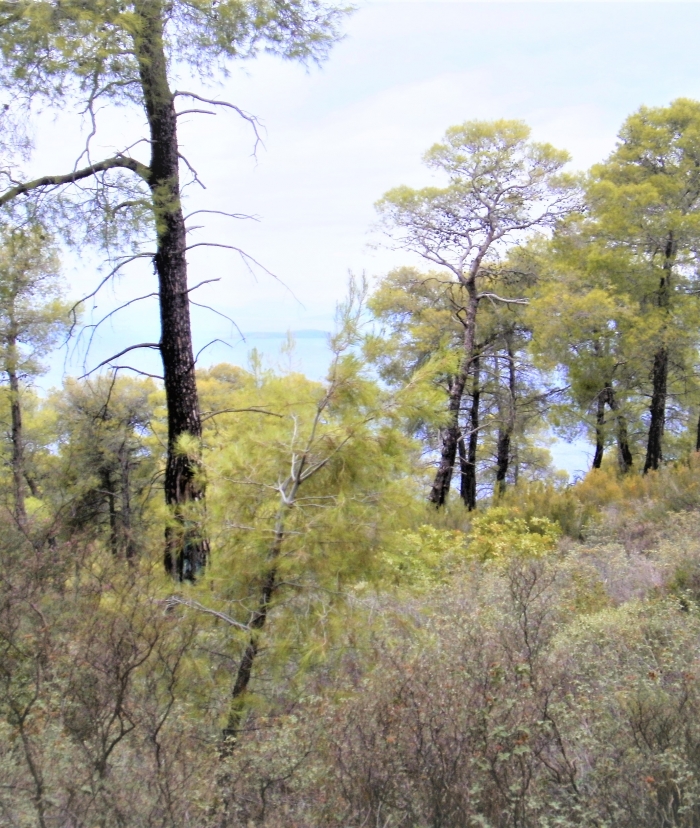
[155, 345]
[210, 414]
[174, 600]
[498, 298]
[118, 162]
[252, 120]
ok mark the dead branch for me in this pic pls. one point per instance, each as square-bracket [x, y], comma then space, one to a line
[174, 600]
[252, 120]
[204, 347]
[155, 345]
[218, 313]
[205, 282]
[223, 213]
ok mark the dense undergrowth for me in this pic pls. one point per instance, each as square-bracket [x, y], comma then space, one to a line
[537, 665]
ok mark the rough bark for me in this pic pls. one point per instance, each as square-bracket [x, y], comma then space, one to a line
[186, 545]
[657, 409]
[450, 434]
[468, 468]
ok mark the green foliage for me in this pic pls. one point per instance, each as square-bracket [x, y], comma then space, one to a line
[423, 557]
[33, 314]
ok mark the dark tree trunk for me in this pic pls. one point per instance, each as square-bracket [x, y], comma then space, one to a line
[186, 545]
[17, 442]
[450, 434]
[463, 468]
[657, 410]
[468, 480]
[697, 436]
[624, 454]
[599, 430]
[127, 535]
[108, 489]
[505, 433]
[502, 460]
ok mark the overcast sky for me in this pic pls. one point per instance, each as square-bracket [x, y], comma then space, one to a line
[337, 137]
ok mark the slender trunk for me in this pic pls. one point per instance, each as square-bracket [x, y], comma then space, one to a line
[258, 618]
[657, 410]
[245, 667]
[450, 434]
[624, 454]
[697, 436]
[108, 489]
[127, 535]
[505, 433]
[468, 481]
[186, 547]
[11, 365]
[599, 430]
[31, 483]
[463, 468]
[17, 435]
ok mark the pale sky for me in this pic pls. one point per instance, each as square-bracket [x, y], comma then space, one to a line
[337, 137]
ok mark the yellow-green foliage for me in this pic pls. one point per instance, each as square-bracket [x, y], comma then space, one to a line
[501, 533]
[423, 557]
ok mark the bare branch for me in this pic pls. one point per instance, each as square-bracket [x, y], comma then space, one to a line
[204, 347]
[205, 282]
[223, 213]
[117, 162]
[116, 368]
[174, 600]
[497, 298]
[154, 345]
[192, 170]
[195, 112]
[218, 313]
[252, 120]
[247, 259]
[93, 328]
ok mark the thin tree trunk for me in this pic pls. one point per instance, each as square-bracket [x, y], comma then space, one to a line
[463, 468]
[624, 454]
[245, 667]
[127, 535]
[108, 488]
[450, 434]
[599, 430]
[186, 546]
[468, 480]
[17, 438]
[697, 436]
[657, 410]
[505, 433]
